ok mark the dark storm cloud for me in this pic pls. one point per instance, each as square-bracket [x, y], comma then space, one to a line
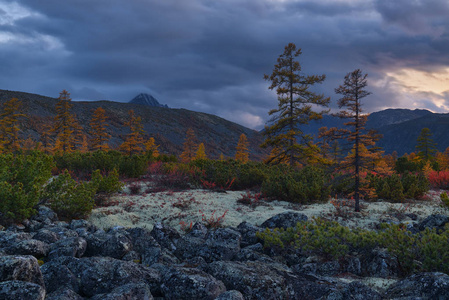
[211, 55]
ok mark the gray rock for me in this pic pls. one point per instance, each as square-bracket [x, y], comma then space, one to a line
[58, 276]
[22, 268]
[45, 213]
[284, 220]
[74, 247]
[8, 238]
[29, 247]
[115, 244]
[253, 279]
[188, 246]
[46, 236]
[165, 236]
[145, 245]
[221, 244]
[21, 290]
[132, 291]
[190, 283]
[327, 268]
[199, 230]
[231, 295]
[420, 286]
[380, 263]
[63, 294]
[248, 232]
[433, 221]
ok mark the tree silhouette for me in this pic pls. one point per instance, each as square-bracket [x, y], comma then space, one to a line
[360, 141]
[9, 125]
[425, 146]
[189, 147]
[242, 152]
[98, 131]
[295, 103]
[134, 140]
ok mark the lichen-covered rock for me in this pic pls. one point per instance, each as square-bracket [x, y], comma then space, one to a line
[380, 263]
[199, 230]
[284, 220]
[132, 291]
[433, 221]
[46, 236]
[58, 276]
[20, 267]
[113, 244]
[231, 295]
[74, 247]
[21, 290]
[165, 236]
[221, 244]
[188, 246]
[253, 279]
[420, 286]
[63, 294]
[145, 245]
[248, 233]
[100, 275]
[28, 247]
[8, 238]
[190, 283]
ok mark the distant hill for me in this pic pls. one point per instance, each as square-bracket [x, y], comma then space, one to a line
[168, 126]
[400, 128]
[148, 100]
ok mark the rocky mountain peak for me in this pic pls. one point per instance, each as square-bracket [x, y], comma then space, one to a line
[146, 99]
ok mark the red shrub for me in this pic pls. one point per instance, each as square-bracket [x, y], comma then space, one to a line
[439, 179]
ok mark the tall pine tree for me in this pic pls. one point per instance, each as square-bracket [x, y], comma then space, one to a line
[65, 124]
[98, 130]
[134, 142]
[242, 152]
[190, 147]
[295, 108]
[425, 146]
[9, 125]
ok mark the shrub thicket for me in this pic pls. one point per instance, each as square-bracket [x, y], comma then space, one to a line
[425, 251]
[396, 187]
[22, 178]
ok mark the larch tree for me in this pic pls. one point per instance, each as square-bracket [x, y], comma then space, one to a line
[98, 130]
[65, 124]
[9, 125]
[134, 142]
[201, 152]
[242, 151]
[189, 147]
[296, 104]
[45, 138]
[425, 146]
[151, 147]
[360, 141]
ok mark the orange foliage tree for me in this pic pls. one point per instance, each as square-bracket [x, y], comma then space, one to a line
[201, 152]
[242, 151]
[134, 140]
[190, 147]
[150, 146]
[9, 125]
[98, 131]
[65, 124]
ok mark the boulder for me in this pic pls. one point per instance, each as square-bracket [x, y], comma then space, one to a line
[433, 221]
[21, 290]
[22, 268]
[46, 236]
[221, 244]
[132, 291]
[28, 247]
[190, 283]
[248, 233]
[58, 276]
[420, 286]
[165, 236]
[231, 295]
[74, 247]
[284, 220]
[63, 294]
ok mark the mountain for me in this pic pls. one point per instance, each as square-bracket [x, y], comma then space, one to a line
[145, 99]
[168, 126]
[400, 128]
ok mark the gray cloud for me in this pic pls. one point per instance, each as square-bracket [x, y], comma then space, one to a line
[211, 55]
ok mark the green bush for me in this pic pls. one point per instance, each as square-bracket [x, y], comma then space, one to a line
[306, 185]
[398, 187]
[69, 199]
[22, 177]
[107, 184]
[427, 251]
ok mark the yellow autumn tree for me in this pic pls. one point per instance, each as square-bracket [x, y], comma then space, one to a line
[65, 124]
[9, 125]
[98, 130]
[242, 151]
[45, 139]
[133, 143]
[189, 146]
[151, 147]
[201, 152]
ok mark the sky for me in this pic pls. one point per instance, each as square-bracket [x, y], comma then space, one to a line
[211, 55]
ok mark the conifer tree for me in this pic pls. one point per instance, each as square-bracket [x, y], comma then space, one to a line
[362, 142]
[425, 146]
[201, 152]
[98, 131]
[45, 139]
[295, 103]
[65, 124]
[134, 140]
[151, 147]
[9, 125]
[189, 146]
[242, 152]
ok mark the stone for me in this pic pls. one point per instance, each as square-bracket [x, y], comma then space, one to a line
[63, 294]
[132, 291]
[74, 247]
[29, 247]
[231, 295]
[284, 220]
[433, 221]
[420, 286]
[21, 290]
[21, 268]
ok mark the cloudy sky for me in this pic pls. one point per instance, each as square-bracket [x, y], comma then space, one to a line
[211, 55]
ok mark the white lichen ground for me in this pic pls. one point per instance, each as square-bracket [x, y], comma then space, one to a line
[188, 207]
